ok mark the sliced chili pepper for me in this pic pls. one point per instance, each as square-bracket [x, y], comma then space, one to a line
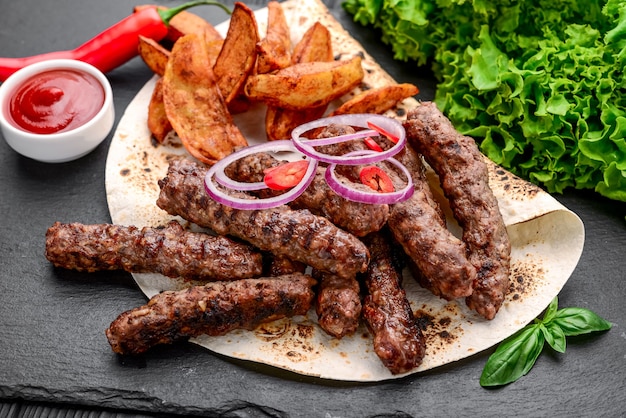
[373, 145]
[376, 178]
[115, 45]
[285, 176]
[393, 138]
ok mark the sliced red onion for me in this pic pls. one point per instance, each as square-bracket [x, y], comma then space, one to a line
[373, 197]
[216, 172]
[305, 146]
[340, 138]
[220, 167]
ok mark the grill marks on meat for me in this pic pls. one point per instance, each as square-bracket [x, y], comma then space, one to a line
[338, 304]
[475, 267]
[418, 225]
[171, 251]
[398, 339]
[355, 218]
[250, 167]
[214, 309]
[465, 182]
[281, 265]
[297, 234]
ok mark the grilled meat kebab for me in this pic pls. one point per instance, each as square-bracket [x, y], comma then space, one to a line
[297, 234]
[398, 339]
[213, 309]
[170, 250]
[419, 226]
[353, 217]
[338, 304]
[464, 179]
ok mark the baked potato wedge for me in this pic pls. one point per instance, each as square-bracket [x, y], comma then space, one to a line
[274, 50]
[279, 122]
[153, 54]
[377, 100]
[194, 105]
[237, 57]
[306, 85]
[315, 45]
[186, 22]
[158, 122]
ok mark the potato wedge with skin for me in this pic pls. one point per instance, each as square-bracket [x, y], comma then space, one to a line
[279, 122]
[305, 85]
[274, 51]
[377, 100]
[153, 54]
[214, 48]
[237, 58]
[194, 104]
[156, 55]
[158, 122]
[315, 45]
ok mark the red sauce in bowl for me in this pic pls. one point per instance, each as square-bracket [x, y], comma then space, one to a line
[56, 101]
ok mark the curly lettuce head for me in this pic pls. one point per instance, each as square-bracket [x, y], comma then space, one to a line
[539, 84]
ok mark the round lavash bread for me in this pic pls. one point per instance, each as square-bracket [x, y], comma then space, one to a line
[546, 238]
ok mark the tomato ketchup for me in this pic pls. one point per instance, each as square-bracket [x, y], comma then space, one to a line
[56, 101]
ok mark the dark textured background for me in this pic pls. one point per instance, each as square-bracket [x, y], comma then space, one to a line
[54, 357]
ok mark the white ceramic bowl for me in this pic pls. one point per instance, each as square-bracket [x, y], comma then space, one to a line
[60, 146]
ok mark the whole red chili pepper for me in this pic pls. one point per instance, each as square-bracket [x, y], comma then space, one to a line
[115, 45]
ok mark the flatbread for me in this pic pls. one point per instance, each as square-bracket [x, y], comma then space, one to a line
[547, 241]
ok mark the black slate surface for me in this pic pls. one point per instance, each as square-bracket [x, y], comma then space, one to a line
[54, 357]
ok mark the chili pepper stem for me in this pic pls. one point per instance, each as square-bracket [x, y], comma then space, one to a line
[168, 14]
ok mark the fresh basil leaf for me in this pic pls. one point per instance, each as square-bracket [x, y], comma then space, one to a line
[577, 321]
[551, 309]
[514, 357]
[554, 336]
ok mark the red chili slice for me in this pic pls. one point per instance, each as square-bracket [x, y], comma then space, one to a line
[285, 176]
[376, 178]
[393, 138]
[373, 145]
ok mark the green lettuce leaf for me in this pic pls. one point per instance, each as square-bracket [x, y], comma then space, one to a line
[539, 83]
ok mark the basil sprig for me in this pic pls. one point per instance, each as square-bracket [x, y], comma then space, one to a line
[516, 355]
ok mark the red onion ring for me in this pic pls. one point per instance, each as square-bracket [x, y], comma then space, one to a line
[373, 197]
[305, 146]
[217, 172]
[339, 138]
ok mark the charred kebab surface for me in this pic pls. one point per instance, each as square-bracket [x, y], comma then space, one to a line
[353, 217]
[398, 340]
[419, 226]
[464, 179]
[213, 309]
[338, 304]
[171, 251]
[297, 234]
